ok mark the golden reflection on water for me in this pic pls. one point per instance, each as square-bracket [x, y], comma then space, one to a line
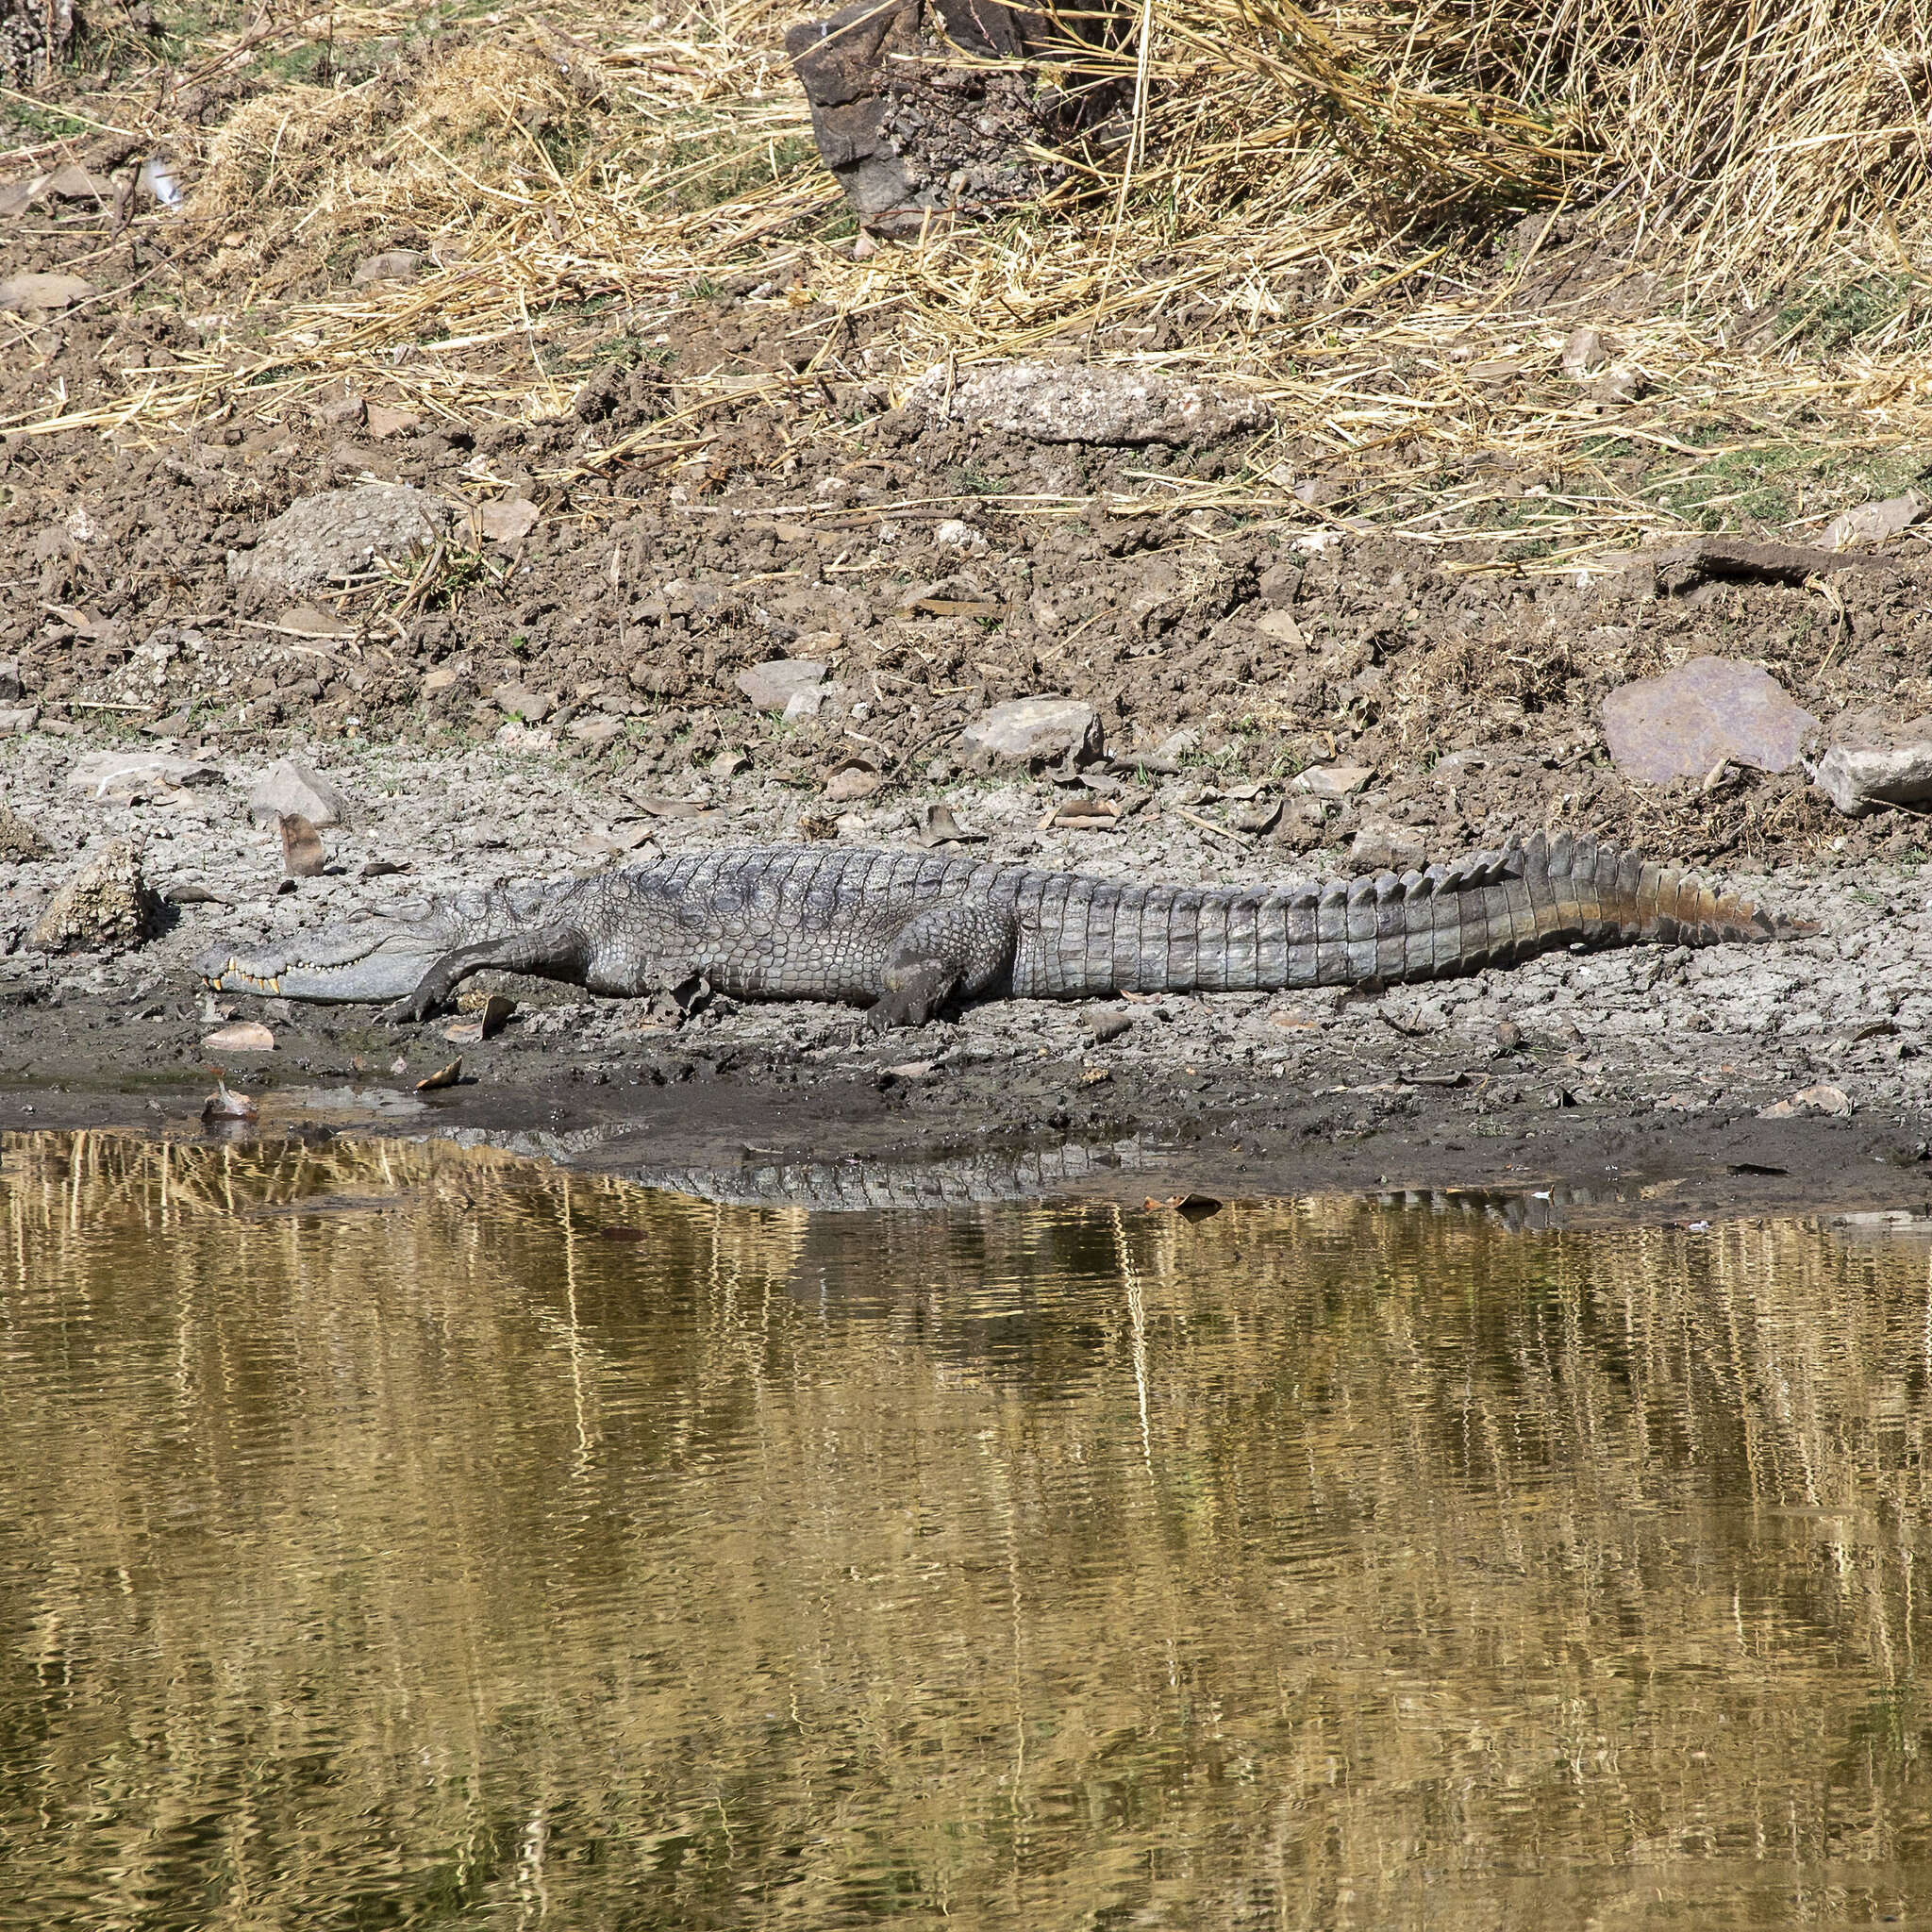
[390, 1533]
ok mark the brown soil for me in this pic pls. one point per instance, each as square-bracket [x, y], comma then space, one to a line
[650, 580]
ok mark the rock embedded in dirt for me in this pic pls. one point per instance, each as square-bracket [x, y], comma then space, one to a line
[43, 294]
[1691, 719]
[1072, 402]
[1388, 848]
[16, 721]
[518, 700]
[391, 265]
[1875, 523]
[1874, 766]
[105, 907]
[508, 520]
[130, 777]
[289, 789]
[21, 842]
[1037, 731]
[1584, 354]
[1334, 781]
[337, 537]
[772, 685]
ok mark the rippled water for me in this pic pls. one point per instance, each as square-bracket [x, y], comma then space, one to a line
[392, 1535]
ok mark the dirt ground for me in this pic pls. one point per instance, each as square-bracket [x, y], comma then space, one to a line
[801, 510]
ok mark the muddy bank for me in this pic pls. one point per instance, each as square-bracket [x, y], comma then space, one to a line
[1647, 1066]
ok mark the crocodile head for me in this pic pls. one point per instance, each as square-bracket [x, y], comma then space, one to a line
[370, 959]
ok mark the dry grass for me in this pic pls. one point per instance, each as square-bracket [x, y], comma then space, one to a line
[1329, 203]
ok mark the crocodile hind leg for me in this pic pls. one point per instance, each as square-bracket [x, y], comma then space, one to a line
[947, 952]
[551, 952]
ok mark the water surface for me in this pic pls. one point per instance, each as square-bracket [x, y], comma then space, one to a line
[397, 1535]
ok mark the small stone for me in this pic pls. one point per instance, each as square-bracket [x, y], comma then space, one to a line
[43, 294]
[1859, 778]
[727, 765]
[1387, 848]
[1681, 724]
[244, 1036]
[391, 265]
[1037, 731]
[1821, 1102]
[9, 681]
[772, 685]
[529, 707]
[1281, 627]
[288, 789]
[383, 422]
[850, 782]
[953, 533]
[1280, 584]
[1508, 1036]
[130, 777]
[16, 721]
[1108, 1023]
[307, 621]
[1875, 523]
[596, 732]
[1055, 402]
[21, 844]
[337, 536]
[105, 907]
[507, 519]
[1334, 781]
[1584, 354]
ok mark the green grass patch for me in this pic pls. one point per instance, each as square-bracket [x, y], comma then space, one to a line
[1824, 318]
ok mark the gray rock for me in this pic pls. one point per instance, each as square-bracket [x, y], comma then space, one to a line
[1074, 402]
[1388, 848]
[391, 265]
[518, 700]
[105, 907]
[17, 720]
[1682, 725]
[43, 294]
[21, 842]
[288, 790]
[1874, 523]
[9, 681]
[771, 687]
[128, 778]
[1875, 761]
[1584, 354]
[337, 536]
[1036, 731]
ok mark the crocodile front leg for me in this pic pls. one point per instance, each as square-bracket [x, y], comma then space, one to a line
[551, 952]
[947, 952]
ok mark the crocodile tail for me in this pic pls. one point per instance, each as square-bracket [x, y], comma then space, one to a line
[1494, 909]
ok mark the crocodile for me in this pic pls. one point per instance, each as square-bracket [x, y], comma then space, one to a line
[906, 933]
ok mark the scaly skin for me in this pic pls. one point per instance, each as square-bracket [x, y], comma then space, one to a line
[905, 933]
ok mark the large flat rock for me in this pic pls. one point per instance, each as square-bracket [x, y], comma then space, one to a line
[339, 535]
[1036, 731]
[1077, 402]
[289, 789]
[1683, 723]
[772, 685]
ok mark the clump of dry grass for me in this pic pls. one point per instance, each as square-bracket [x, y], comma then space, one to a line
[1345, 205]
